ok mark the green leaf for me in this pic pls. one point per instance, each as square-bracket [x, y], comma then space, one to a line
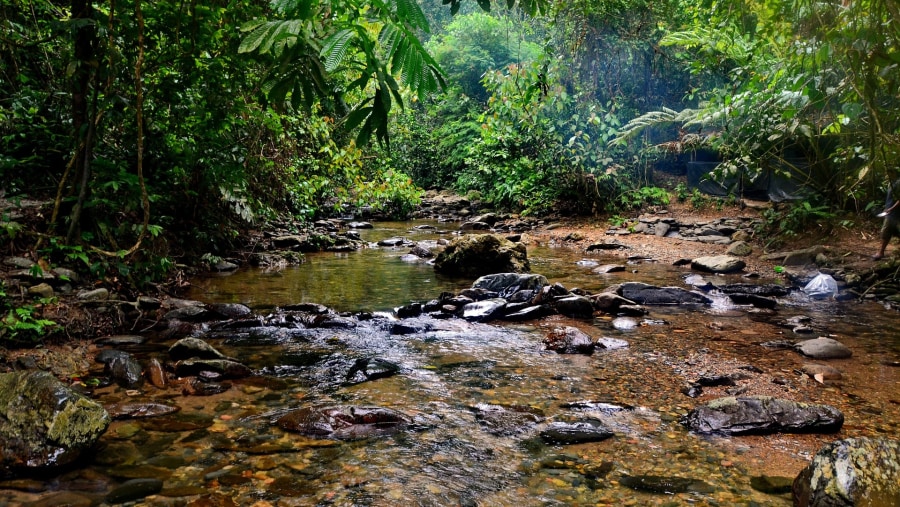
[409, 11]
[336, 47]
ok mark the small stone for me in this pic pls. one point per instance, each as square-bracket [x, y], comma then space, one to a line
[42, 290]
[100, 294]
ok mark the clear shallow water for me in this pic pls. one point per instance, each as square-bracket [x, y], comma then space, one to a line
[227, 444]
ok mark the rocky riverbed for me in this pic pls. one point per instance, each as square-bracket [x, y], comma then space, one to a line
[599, 400]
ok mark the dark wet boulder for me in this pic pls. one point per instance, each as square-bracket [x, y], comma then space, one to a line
[225, 368]
[344, 423]
[122, 367]
[823, 348]
[569, 340]
[43, 423]
[371, 368]
[753, 299]
[579, 432]
[137, 410]
[855, 471]
[575, 306]
[765, 290]
[231, 310]
[718, 264]
[609, 302]
[410, 310]
[187, 348]
[482, 254]
[506, 419]
[199, 387]
[760, 415]
[645, 294]
[192, 313]
[507, 284]
[483, 311]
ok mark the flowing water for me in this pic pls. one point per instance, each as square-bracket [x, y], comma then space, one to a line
[227, 443]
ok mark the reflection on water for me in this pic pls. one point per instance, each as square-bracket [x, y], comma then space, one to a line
[227, 443]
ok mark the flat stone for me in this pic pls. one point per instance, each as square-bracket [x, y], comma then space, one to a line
[718, 264]
[823, 348]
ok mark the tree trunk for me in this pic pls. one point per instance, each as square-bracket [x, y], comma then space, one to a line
[84, 43]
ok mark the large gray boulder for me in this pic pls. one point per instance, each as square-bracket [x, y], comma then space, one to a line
[43, 423]
[482, 254]
[760, 415]
[855, 471]
[718, 264]
[645, 294]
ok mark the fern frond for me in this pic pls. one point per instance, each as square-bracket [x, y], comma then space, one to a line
[335, 48]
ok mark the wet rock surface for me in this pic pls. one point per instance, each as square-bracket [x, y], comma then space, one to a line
[43, 423]
[482, 254]
[344, 423]
[753, 415]
[853, 471]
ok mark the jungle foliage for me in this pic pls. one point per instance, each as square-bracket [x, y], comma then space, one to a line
[161, 129]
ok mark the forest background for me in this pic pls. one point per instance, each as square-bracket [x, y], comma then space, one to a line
[161, 130]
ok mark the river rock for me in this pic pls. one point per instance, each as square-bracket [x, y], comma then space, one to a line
[483, 311]
[187, 348]
[224, 367]
[530, 313]
[739, 249]
[43, 423]
[231, 310]
[135, 410]
[608, 268]
[371, 368]
[762, 415]
[42, 290]
[506, 420]
[100, 294]
[125, 370]
[360, 225]
[718, 264]
[645, 294]
[589, 430]
[134, 489]
[665, 485]
[191, 313]
[507, 284]
[854, 471]
[823, 348]
[344, 423]
[821, 372]
[605, 342]
[482, 254]
[609, 302]
[569, 340]
[575, 306]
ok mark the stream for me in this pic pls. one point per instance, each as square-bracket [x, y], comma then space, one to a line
[452, 375]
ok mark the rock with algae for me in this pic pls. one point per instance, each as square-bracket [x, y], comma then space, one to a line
[762, 415]
[43, 423]
[851, 472]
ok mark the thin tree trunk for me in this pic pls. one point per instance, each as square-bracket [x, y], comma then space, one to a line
[85, 36]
